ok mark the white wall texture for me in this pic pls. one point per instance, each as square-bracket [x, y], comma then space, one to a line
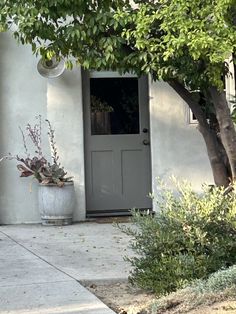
[176, 146]
[23, 95]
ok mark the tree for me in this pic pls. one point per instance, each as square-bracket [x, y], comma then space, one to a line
[182, 42]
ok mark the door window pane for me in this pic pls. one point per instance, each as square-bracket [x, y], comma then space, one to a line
[114, 106]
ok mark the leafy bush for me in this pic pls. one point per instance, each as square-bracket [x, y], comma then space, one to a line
[192, 236]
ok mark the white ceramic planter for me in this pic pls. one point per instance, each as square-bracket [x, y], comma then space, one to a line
[56, 203]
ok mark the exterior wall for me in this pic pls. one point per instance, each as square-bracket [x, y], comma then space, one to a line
[23, 95]
[177, 147]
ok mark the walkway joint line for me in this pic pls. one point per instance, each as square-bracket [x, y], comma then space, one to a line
[41, 258]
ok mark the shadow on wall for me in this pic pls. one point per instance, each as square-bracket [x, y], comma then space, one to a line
[65, 111]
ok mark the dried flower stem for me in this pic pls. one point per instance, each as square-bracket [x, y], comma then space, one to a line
[51, 135]
[37, 166]
[24, 142]
[34, 134]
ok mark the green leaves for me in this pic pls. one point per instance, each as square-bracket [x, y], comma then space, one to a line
[190, 236]
[167, 39]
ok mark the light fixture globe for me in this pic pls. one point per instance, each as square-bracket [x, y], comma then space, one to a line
[51, 68]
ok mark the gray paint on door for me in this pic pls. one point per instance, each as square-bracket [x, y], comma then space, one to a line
[117, 166]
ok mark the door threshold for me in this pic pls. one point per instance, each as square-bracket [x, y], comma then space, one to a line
[114, 213]
[108, 213]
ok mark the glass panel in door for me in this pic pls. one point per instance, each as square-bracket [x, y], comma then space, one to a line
[114, 106]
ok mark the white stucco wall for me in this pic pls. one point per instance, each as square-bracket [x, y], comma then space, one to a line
[177, 147]
[65, 111]
[23, 95]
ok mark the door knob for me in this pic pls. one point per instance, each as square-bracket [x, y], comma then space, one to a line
[145, 130]
[146, 142]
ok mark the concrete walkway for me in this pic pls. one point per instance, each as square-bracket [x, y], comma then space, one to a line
[40, 267]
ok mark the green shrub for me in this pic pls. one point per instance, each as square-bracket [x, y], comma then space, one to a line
[190, 237]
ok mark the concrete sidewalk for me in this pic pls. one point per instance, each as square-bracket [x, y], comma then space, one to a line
[40, 267]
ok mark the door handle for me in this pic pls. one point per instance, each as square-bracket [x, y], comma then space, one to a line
[146, 142]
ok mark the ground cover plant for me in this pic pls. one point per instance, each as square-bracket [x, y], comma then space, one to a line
[191, 236]
[220, 286]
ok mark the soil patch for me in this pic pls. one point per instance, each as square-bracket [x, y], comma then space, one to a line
[226, 307]
[121, 297]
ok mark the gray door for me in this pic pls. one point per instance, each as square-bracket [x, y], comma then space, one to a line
[117, 148]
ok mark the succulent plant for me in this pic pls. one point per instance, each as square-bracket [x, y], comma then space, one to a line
[38, 166]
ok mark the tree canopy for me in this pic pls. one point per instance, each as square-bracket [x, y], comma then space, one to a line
[185, 39]
[182, 42]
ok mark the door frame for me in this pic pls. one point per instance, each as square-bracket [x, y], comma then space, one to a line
[85, 74]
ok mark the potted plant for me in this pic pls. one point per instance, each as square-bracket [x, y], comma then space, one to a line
[56, 195]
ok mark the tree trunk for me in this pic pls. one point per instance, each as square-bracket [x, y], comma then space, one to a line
[218, 165]
[227, 129]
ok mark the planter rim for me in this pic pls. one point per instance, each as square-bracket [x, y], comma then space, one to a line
[54, 184]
